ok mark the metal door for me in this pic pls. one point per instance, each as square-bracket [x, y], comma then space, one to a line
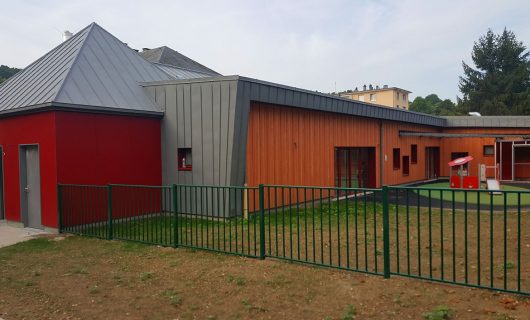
[30, 186]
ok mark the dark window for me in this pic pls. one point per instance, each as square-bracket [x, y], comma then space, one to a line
[456, 155]
[489, 150]
[184, 159]
[355, 167]
[405, 165]
[414, 154]
[396, 158]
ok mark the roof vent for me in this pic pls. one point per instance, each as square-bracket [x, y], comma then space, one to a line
[377, 87]
[371, 87]
[364, 88]
[385, 86]
[356, 89]
[67, 35]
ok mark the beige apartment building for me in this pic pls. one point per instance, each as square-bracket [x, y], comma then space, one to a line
[387, 96]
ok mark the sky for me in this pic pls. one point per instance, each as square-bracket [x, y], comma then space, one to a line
[317, 45]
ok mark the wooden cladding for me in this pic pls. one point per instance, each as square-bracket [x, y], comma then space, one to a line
[297, 146]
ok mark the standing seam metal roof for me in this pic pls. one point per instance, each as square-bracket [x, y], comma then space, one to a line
[167, 56]
[92, 69]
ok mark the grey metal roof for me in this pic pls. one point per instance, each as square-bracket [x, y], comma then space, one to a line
[167, 56]
[268, 92]
[92, 70]
[488, 121]
[179, 73]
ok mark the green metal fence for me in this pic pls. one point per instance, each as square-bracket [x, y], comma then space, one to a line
[471, 237]
[467, 237]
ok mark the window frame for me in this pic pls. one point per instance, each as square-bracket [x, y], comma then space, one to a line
[183, 153]
[413, 154]
[406, 166]
[396, 158]
[488, 146]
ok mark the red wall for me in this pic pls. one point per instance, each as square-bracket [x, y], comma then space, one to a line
[29, 129]
[101, 149]
[79, 148]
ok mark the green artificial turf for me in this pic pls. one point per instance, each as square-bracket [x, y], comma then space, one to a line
[472, 195]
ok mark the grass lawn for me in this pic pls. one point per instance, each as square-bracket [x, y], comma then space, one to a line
[472, 198]
[84, 278]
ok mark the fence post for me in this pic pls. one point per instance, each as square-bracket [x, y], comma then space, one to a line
[109, 212]
[386, 235]
[261, 223]
[59, 213]
[175, 215]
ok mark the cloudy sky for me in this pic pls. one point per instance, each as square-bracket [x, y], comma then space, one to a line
[316, 45]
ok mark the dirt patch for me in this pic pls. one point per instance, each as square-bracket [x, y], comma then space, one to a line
[81, 278]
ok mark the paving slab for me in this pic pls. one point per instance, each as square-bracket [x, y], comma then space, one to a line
[10, 235]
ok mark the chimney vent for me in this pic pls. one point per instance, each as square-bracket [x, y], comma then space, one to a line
[385, 86]
[364, 88]
[67, 35]
[370, 87]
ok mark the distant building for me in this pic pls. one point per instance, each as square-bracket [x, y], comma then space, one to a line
[386, 96]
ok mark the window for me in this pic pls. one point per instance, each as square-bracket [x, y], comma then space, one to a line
[405, 165]
[414, 153]
[397, 95]
[404, 97]
[396, 157]
[456, 155]
[489, 150]
[373, 97]
[184, 159]
[361, 98]
[355, 167]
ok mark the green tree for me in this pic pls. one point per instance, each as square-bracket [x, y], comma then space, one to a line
[500, 84]
[6, 72]
[432, 104]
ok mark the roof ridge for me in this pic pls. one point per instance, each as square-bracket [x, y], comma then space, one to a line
[90, 27]
[12, 78]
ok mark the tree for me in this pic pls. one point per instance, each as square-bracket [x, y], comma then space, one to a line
[6, 72]
[500, 84]
[432, 104]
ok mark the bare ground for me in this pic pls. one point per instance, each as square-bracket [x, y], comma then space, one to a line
[82, 278]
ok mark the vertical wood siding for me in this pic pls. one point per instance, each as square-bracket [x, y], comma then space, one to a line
[296, 146]
[474, 146]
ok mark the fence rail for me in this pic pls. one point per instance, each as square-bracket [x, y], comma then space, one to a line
[468, 237]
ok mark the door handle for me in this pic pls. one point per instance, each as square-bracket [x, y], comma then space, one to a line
[26, 189]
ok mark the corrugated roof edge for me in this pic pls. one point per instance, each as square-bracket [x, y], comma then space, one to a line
[432, 120]
[57, 106]
[488, 121]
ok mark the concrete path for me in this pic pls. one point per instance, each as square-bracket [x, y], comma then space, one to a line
[10, 235]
